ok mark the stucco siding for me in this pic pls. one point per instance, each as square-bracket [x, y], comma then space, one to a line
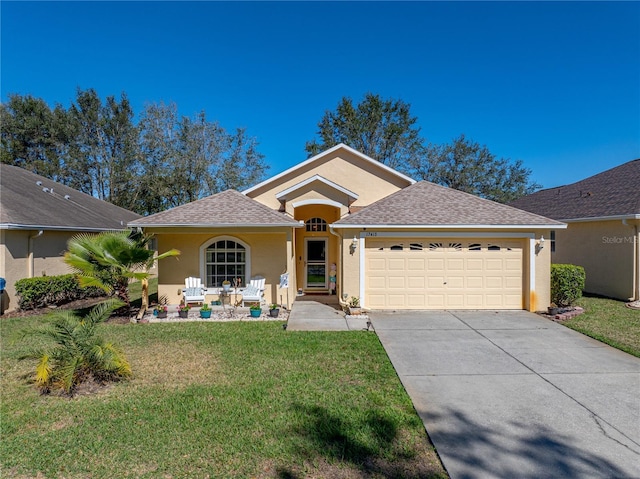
[48, 258]
[605, 249]
[269, 255]
[346, 170]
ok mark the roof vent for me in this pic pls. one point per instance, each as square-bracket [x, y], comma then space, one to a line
[39, 183]
[51, 190]
[67, 197]
[45, 189]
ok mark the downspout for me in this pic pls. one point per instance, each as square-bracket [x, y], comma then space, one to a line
[636, 276]
[30, 253]
[636, 260]
[339, 291]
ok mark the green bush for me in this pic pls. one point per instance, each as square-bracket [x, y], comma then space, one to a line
[52, 290]
[567, 283]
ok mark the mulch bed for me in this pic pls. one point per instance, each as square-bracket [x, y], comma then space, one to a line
[79, 304]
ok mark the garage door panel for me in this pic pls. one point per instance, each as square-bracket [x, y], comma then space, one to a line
[414, 282]
[439, 274]
[416, 264]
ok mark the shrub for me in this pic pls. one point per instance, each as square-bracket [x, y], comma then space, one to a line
[567, 283]
[74, 353]
[52, 290]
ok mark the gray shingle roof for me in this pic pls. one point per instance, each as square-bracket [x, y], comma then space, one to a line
[428, 204]
[227, 208]
[23, 204]
[615, 192]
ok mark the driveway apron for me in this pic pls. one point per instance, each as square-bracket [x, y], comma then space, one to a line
[510, 394]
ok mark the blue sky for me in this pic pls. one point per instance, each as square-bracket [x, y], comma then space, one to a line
[556, 85]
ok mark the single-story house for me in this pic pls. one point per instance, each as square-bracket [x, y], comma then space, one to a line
[603, 234]
[37, 218]
[341, 221]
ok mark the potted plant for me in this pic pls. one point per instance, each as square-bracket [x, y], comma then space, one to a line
[205, 311]
[255, 311]
[274, 310]
[160, 311]
[183, 310]
[226, 285]
[354, 306]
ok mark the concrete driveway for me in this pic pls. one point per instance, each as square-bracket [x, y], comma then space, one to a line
[513, 395]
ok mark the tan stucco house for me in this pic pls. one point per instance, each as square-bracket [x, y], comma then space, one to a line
[37, 218]
[391, 241]
[603, 233]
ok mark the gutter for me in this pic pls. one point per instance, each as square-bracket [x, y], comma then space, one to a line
[30, 264]
[217, 225]
[453, 226]
[13, 226]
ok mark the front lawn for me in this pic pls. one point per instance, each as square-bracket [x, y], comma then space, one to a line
[609, 321]
[218, 400]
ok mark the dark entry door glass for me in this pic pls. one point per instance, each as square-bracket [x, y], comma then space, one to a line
[316, 263]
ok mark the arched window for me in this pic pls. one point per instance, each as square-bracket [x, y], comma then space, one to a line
[225, 259]
[316, 224]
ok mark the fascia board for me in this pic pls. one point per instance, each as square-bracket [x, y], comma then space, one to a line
[324, 153]
[602, 218]
[216, 225]
[13, 226]
[297, 186]
[459, 227]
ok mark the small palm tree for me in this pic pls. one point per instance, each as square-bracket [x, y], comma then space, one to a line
[109, 260]
[77, 354]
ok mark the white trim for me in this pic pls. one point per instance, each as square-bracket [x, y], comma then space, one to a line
[212, 225]
[325, 239]
[442, 234]
[209, 242]
[458, 227]
[363, 298]
[532, 274]
[603, 218]
[13, 226]
[295, 204]
[282, 195]
[325, 153]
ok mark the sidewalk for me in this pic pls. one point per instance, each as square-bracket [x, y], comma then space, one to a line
[321, 313]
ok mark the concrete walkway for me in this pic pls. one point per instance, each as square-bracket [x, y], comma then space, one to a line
[321, 313]
[514, 395]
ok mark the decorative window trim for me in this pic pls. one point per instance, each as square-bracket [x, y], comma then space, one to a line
[315, 225]
[209, 242]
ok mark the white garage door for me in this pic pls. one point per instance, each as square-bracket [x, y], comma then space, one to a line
[421, 273]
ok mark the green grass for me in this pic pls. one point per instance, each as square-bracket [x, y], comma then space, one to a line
[609, 321]
[218, 400]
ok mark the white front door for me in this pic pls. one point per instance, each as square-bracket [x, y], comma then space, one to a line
[315, 266]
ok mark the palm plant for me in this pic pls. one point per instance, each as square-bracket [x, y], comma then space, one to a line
[77, 354]
[109, 260]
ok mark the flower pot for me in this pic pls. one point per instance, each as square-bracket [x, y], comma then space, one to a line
[162, 314]
[183, 314]
[205, 314]
[274, 313]
[355, 311]
[554, 311]
[255, 313]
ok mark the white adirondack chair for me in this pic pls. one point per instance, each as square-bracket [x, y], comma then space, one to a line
[254, 291]
[193, 292]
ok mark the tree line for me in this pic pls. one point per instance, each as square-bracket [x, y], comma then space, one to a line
[165, 160]
[161, 161]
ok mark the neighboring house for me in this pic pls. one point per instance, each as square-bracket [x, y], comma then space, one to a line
[395, 243]
[603, 233]
[37, 218]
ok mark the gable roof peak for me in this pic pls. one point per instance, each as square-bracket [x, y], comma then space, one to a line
[320, 156]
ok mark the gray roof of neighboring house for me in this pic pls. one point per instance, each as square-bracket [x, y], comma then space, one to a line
[428, 204]
[615, 192]
[227, 208]
[24, 204]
